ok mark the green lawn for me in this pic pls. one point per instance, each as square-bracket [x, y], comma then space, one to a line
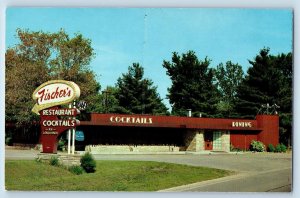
[110, 176]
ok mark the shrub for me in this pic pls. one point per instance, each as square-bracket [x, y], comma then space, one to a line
[88, 163]
[54, 161]
[61, 145]
[235, 149]
[8, 141]
[231, 147]
[278, 148]
[271, 148]
[77, 170]
[257, 146]
[283, 148]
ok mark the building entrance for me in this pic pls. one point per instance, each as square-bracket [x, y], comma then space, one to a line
[208, 140]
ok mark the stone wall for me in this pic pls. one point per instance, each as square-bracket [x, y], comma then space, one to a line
[194, 140]
[63, 159]
[94, 149]
[226, 141]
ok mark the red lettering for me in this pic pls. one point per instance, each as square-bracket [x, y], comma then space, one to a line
[42, 93]
[45, 94]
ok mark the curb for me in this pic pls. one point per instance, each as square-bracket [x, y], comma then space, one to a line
[189, 187]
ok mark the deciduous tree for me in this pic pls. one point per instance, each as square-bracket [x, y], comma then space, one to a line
[39, 57]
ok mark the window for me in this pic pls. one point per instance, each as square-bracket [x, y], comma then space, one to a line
[217, 140]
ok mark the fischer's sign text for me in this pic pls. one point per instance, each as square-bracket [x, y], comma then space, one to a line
[53, 93]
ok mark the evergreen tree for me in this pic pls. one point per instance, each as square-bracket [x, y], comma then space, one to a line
[265, 82]
[192, 85]
[110, 102]
[228, 78]
[268, 81]
[137, 94]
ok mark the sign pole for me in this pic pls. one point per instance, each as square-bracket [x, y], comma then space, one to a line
[73, 141]
[73, 131]
[69, 136]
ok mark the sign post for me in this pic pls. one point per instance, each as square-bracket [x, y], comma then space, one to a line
[54, 119]
[73, 133]
[69, 136]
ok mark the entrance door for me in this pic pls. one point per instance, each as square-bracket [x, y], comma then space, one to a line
[208, 139]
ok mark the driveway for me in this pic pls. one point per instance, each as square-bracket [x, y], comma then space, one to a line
[255, 172]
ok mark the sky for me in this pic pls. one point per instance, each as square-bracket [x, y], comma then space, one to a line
[122, 36]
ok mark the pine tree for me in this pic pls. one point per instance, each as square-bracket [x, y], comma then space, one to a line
[137, 94]
[268, 81]
[264, 83]
[192, 85]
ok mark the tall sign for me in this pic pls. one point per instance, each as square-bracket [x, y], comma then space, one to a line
[54, 120]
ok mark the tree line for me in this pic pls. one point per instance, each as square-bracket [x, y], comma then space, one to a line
[220, 91]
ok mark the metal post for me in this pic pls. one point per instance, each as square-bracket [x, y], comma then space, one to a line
[73, 131]
[73, 141]
[69, 136]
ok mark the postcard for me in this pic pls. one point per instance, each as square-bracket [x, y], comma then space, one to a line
[148, 99]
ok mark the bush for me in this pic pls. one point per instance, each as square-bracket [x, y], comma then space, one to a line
[88, 163]
[61, 145]
[257, 146]
[54, 161]
[283, 148]
[235, 149]
[8, 141]
[77, 170]
[271, 148]
[278, 148]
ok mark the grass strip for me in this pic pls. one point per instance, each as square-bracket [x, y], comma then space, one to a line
[109, 176]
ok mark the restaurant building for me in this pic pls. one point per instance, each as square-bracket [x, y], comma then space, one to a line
[116, 133]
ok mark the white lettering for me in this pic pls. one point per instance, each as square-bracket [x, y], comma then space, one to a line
[130, 120]
[241, 124]
[111, 119]
[59, 123]
[59, 112]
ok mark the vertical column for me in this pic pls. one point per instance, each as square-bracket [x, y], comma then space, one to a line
[194, 141]
[73, 141]
[69, 136]
[190, 140]
[200, 141]
[73, 132]
[226, 141]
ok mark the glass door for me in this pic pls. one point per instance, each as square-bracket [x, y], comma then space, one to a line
[217, 140]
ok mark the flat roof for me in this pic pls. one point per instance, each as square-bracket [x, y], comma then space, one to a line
[141, 120]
